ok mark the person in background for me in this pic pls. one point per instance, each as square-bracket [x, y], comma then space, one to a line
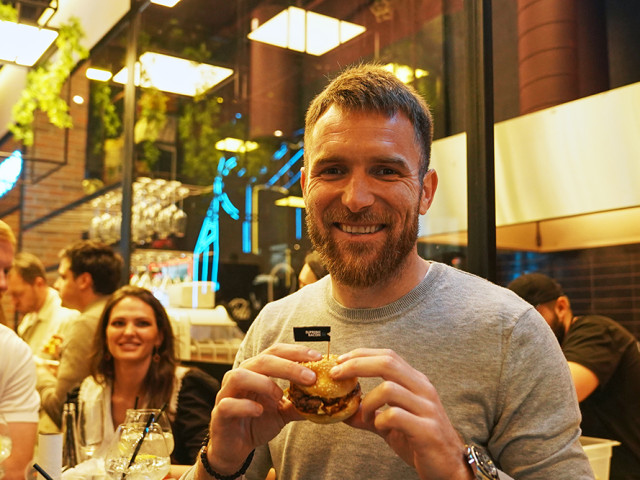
[453, 368]
[312, 270]
[43, 315]
[134, 364]
[89, 272]
[19, 402]
[604, 359]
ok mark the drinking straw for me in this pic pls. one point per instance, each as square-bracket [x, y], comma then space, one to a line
[139, 444]
[42, 472]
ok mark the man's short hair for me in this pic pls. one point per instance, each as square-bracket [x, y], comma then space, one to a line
[98, 260]
[7, 234]
[29, 267]
[372, 88]
[536, 288]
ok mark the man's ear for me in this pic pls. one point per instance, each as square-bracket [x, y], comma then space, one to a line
[303, 180]
[84, 281]
[562, 306]
[429, 185]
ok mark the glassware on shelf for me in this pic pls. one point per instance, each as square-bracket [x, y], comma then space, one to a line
[137, 452]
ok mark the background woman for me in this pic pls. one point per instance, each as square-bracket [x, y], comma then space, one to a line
[134, 360]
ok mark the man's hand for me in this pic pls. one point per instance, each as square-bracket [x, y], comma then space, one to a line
[406, 411]
[250, 408]
[23, 436]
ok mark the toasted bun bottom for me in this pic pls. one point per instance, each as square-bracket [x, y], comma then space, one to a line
[350, 409]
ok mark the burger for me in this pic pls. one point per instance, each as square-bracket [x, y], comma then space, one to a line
[327, 400]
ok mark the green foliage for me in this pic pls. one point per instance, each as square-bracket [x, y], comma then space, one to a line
[198, 131]
[44, 85]
[152, 119]
[105, 119]
[8, 13]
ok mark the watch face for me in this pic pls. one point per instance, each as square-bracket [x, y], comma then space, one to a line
[481, 464]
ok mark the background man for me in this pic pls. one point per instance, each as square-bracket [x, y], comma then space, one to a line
[19, 401]
[40, 304]
[604, 359]
[312, 270]
[444, 358]
[89, 272]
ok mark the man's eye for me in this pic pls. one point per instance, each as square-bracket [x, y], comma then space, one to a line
[331, 171]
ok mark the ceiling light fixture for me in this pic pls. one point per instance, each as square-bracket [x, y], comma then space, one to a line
[304, 31]
[47, 14]
[24, 44]
[175, 75]
[405, 73]
[166, 3]
[291, 201]
[98, 74]
[235, 145]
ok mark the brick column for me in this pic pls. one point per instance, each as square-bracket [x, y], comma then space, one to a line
[547, 53]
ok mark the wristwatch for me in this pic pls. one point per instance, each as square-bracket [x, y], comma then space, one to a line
[480, 463]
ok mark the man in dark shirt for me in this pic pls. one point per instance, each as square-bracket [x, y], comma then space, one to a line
[604, 359]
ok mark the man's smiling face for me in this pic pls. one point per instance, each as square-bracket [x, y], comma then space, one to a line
[363, 193]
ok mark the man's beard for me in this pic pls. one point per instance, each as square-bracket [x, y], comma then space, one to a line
[346, 261]
[558, 328]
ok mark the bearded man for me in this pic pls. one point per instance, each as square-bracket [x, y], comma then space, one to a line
[454, 368]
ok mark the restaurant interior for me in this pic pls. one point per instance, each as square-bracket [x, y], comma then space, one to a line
[173, 130]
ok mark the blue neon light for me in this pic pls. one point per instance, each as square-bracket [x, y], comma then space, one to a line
[298, 223]
[10, 171]
[293, 180]
[246, 223]
[297, 156]
[208, 243]
[280, 152]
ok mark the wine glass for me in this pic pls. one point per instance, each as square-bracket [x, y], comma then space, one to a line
[140, 416]
[138, 452]
[5, 443]
[90, 427]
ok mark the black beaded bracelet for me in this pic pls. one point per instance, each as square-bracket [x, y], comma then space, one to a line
[216, 475]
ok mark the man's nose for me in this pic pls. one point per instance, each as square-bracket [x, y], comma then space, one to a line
[358, 193]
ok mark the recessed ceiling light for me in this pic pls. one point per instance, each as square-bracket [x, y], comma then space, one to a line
[235, 145]
[175, 75]
[304, 31]
[98, 74]
[24, 44]
[165, 3]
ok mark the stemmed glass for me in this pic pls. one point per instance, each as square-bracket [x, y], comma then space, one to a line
[90, 427]
[140, 416]
[5, 443]
[138, 452]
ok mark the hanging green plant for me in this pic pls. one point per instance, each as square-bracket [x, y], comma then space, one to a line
[105, 118]
[44, 85]
[8, 13]
[152, 118]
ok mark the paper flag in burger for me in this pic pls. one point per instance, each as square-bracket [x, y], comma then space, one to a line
[311, 334]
